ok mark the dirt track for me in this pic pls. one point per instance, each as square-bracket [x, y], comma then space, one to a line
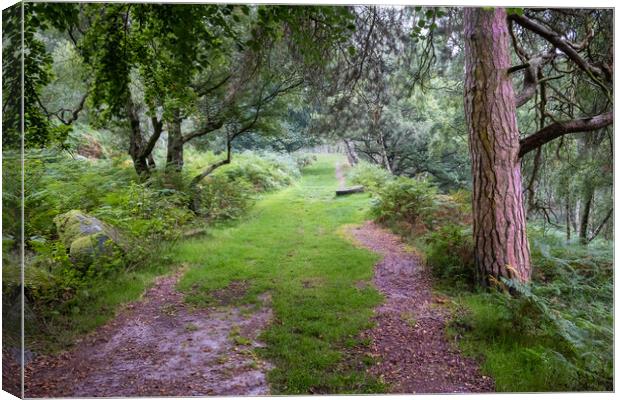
[161, 346]
[409, 335]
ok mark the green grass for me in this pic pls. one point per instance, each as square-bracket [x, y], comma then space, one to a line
[291, 247]
[522, 354]
[515, 359]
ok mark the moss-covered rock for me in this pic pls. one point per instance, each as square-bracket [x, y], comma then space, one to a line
[87, 237]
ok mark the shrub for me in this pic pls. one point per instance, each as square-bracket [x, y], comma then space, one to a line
[581, 343]
[151, 215]
[287, 163]
[146, 211]
[222, 198]
[263, 174]
[405, 200]
[371, 176]
[449, 253]
[303, 159]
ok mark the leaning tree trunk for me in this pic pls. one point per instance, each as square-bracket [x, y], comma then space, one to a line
[174, 154]
[352, 156]
[136, 142]
[501, 246]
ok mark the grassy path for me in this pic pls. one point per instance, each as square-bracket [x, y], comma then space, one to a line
[292, 248]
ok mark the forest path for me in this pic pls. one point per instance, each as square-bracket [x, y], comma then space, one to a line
[289, 276]
[161, 346]
[409, 333]
[283, 275]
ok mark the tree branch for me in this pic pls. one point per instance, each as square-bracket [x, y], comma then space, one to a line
[559, 129]
[211, 126]
[557, 40]
[215, 165]
[158, 126]
[600, 227]
[204, 91]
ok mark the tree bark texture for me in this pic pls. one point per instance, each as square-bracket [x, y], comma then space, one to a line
[501, 245]
[174, 154]
[136, 142]
[588, 197]
[352, 156]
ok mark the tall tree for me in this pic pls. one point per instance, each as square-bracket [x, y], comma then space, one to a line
[501, 246]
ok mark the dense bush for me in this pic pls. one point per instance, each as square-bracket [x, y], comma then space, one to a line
[224, 198]
[263, 173]
[410, 201]
[371, 176]
[405, 200]
[556, 331]
[230, 190]
[449, 254]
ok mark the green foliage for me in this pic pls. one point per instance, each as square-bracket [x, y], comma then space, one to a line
[334, 25]
[147, 211]
[225, 198]
[39, 131]
[449, 253]
[371, 176]
[556, 334]
[405, 200]
[426, 22]
[263, 174]
[150, 215]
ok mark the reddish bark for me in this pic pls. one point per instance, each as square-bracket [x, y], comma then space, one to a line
[501, 245]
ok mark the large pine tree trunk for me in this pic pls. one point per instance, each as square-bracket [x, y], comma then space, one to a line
[501, 246]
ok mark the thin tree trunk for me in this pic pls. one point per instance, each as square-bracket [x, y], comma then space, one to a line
[531, 198]
[384, 156]
[576, 214]
[588, 197]
[352, 156]
[531, 193]
[501, 245]
[174, 155]
[136, 142]
[568, 222]
[601, 225]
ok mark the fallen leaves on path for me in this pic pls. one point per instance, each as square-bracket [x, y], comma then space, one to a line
[409, 338]
[161, 346]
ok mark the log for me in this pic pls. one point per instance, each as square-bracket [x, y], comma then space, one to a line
[352, 189]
